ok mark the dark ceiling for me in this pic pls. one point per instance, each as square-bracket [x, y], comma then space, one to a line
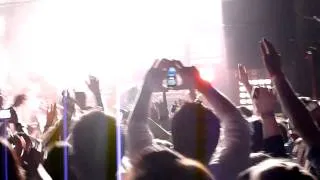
[281, 21]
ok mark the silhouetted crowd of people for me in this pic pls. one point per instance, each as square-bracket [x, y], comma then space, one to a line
[202, 136]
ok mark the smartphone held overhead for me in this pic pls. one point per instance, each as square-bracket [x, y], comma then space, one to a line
[172, 77]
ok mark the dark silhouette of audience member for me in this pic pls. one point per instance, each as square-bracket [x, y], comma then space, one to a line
[94, 146]
[158, 163]
[10, 167]
[195, 132]
[276, 169]
[54, 164]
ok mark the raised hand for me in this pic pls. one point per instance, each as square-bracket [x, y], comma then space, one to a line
[264, 101]
[154, 77]
[51, 115]
[271, 58]
[243, 77]
[198, 82]
[70, 104]
[19, 100]
[93, 84]
[242, 74]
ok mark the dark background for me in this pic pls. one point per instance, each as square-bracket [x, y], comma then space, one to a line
[282, 22]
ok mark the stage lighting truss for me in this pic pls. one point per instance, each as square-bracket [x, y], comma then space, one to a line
[244, 95]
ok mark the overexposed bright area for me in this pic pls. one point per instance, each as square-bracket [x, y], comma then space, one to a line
[65, 40]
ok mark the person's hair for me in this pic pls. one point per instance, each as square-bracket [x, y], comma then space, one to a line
[195, 132]
[284, 131]
[54, 163]
[276, 169]
[256, 158]
[10, 167]
[256, 136]
[157, 163]
[94, 146]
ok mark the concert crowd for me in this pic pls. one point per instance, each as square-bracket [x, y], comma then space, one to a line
[197, 135]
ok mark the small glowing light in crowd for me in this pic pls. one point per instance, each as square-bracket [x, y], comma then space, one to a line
[240, 83]
[242, 89]
[254, 82]
[250, 107]
[249, 101]
[243, 95]
[267, 81]
[261, 81]
[243, 101]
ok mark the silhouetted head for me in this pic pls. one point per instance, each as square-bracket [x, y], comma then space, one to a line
[10, 167]
[256, 136]
[158, 163]
[256, 158]
[195, 132]
[94, 146]
[276, 169]
[54, 164]
[284, 131]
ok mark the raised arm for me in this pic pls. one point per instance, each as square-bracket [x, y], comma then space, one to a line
[94, 87]
[234, 154]
[264, 102]
[139, 136]
[290, 103]
[243, 77]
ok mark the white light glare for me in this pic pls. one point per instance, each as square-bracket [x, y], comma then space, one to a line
[260, 81]
[242, 89]
[243, 101]
[250, 107]
[249, 101]
[244, 95]
[254, 82]
[267, 81]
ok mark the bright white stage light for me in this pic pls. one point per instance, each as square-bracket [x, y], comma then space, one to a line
[250, 107]
[249, 101]
[254, 82]
[65, 40]
[242, 89]
[267, 81]
[207, 74]
[244, 95]
[243, 101]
